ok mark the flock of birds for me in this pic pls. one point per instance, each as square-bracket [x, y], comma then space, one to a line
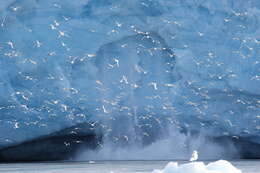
[165, 102]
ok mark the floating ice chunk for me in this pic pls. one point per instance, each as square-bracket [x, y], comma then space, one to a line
[221, 166]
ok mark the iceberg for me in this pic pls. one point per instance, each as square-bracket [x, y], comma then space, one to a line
[130, 72]
[221, 166]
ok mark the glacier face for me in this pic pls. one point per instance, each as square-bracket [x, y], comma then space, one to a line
[137, 67]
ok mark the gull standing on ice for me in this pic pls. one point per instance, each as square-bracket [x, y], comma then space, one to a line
[194, 156]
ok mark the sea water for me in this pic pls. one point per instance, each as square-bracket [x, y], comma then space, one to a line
[246, 166]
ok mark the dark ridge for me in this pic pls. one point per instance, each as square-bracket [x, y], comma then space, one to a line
[244, 145]
[65, 144]
[61, 145]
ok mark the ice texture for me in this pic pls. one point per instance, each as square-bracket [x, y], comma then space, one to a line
[221, 166]
[137, 67]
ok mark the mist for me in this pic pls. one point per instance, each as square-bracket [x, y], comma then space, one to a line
[176, 146]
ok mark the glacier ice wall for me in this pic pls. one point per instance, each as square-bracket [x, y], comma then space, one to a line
[136, 67]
